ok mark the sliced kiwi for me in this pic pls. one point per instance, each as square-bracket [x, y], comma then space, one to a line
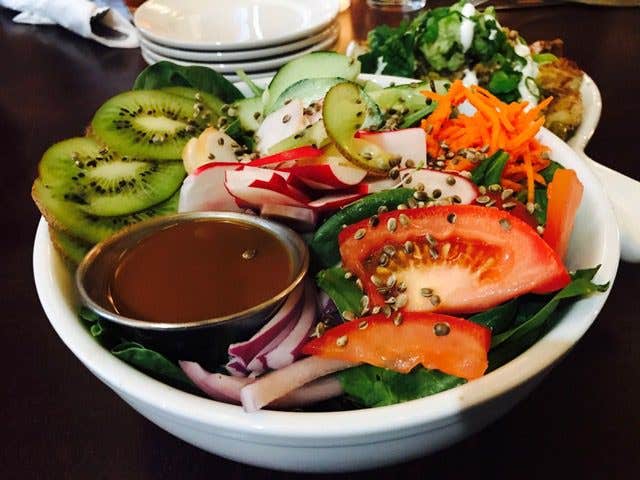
[71, 249]
[149, 124]
[213, 103]
[66, 216]
[103, 183]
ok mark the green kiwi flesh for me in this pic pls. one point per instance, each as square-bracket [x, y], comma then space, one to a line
[67, 216]
[149, 124]
[70, 248]
[103, 183]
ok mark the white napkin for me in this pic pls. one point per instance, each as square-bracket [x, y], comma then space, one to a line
[103, 24]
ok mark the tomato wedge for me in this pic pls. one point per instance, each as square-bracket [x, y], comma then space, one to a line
[452, 345]
[564, 194]
[451, 259]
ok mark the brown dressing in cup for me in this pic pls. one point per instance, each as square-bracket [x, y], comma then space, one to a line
[198, 270]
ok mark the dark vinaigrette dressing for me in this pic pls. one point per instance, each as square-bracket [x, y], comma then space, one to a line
[198, 270]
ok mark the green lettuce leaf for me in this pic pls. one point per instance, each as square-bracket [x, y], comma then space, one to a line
[344, 293]
[375, 387]
[168, 74]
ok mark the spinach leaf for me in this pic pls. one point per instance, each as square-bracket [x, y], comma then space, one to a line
[504, 82]
[151, 362]
[168, 74]
[549, 172]
[580, 286]
[489, 171]
[374, 387]
[499, 318]
[391, 48]
[344, 293]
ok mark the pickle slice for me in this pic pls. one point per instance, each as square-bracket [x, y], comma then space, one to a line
[346, 110]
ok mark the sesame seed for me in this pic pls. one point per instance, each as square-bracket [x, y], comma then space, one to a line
[409, 163]
[401, 300]
[402, 206]
[451, 180]
[363, 324]
[451, 218]
[389, 250]
[367, 155]
[540, 229]
[360, 233]
[376, 281]
[482, 199]
[348, 275]
[397, 320]
[420, 187]
[391, 281]
[426, 292]
[348, 315]
[392, 224]
[404, 220]
[530, 207]
[249, 253]
[286, 118]
[441, 329]
[509, 205]
[221, 141]
[435, 300]
[402, 287]
[505, 224]
[420, 195]
[436, 193]
[482, 189]
[342, 341]
[375, 310]
[506, 193]
[383, 260]
[494, 187]
[408, 247]
[382, 209]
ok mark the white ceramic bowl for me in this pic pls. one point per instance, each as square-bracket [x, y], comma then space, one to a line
[352, 440]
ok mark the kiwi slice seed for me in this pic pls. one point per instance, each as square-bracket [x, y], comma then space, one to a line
[103, 183]
[149, 124]
[67, 216]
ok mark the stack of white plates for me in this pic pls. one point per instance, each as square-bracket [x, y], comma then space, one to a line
[257, 36]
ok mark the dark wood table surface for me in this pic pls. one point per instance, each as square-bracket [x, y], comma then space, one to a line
[58, 421]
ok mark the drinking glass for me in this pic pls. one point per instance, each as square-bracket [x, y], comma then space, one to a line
[397, 5]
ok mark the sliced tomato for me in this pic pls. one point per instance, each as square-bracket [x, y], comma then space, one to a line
[452, 345]
[564, 194]
[452, 259]
[515, 208]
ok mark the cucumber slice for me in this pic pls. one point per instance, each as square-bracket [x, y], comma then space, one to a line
[249, 112]
[370, 86]
[313, 135]
[345, 111]
[406, 99]
[307, 90]
[64, 215]
[312, 65]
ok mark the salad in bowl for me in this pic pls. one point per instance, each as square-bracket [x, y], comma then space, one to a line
[439, 222]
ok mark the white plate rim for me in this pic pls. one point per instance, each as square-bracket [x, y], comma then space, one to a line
[232, 56]
[333, 6]
[350, 427]
[247, 66]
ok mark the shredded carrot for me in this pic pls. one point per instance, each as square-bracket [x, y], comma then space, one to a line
[495, 126]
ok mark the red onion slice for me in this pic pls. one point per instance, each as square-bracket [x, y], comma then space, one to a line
[289, 349]
[246, 351]
[314, 392]
[278, 383]
[218, 386]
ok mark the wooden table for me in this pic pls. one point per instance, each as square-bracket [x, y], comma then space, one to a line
[58, 421]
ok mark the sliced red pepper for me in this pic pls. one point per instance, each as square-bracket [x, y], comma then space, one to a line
[286, 156]
[452, 345]
[564, 194]
[452, 259]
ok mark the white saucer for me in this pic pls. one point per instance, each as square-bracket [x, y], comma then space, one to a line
[234, 56]
[232, 77]
[248, 66]
[226, 25]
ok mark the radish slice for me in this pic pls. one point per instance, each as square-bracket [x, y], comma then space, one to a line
[298, 218]
[218, 386]
[211, 145]
[204, 190]
[316, 391]
[245, 351]
[278, 383]
[336, 173]
[408, 143]
[282, 123]
[449, 184]
[287, 156]
[288, 350]
[335, 201]
[268, 186]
